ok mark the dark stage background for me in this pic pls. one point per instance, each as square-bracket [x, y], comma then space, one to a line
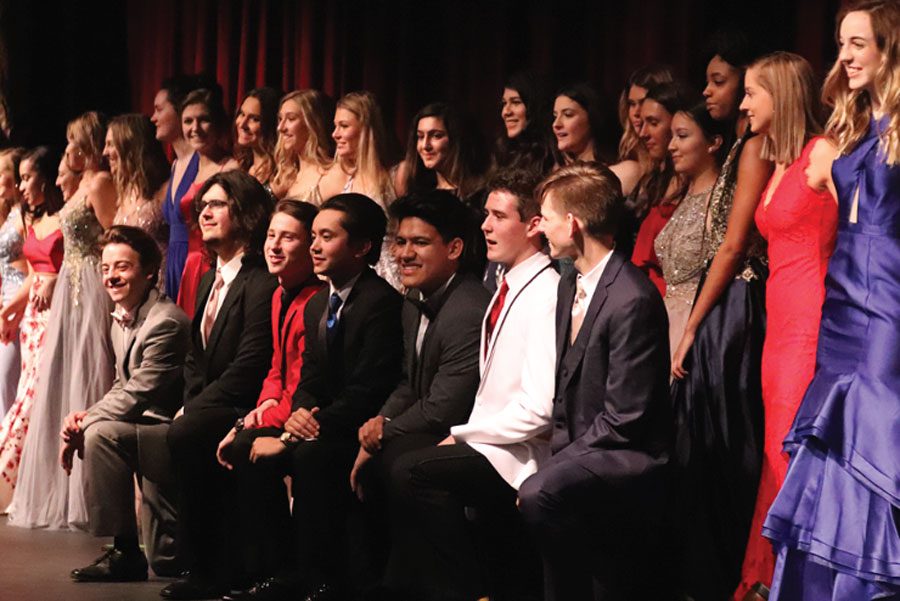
[67, 58]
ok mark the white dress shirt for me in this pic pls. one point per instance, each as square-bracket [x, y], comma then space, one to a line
[229, 271]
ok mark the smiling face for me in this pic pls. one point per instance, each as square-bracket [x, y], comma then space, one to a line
[165, 118]
[66, 180]
[347, 130]
[757, 102]
[216, 223]
[691, 152]
[636, 95]
[110, 152]
[859, 53]
[248, 122]
[292, 127]
[31, 184]
[508, 238]
[556, 226]
[656, 128]
[196, 125]
[334, 254]
[723, 84]
[432, 142]
[426, 262]
[571, 126]
[513, 112]
[287, 250]
[123, 276]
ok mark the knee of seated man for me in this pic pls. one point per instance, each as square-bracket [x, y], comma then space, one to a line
[100, 435]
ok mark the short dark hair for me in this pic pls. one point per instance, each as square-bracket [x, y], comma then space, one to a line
[141, 242]
[363, 219]
[250, 206]
[439, 208]
[300, 210]
[520, 182]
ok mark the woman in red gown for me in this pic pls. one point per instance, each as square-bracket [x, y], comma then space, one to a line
[798, 217]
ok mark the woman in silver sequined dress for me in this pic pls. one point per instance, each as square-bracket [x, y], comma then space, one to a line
[12, 267]
[696, 154]
[77, 365]
[138, 166]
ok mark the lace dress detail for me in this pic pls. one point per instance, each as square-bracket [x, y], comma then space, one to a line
[81, 231]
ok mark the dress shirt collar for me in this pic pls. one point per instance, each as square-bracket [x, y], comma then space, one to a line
[519, 276]
[590, 280]
[230, 269]
[433, 302]
[344, 292]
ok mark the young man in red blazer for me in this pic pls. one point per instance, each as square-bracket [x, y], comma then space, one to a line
[287, 256]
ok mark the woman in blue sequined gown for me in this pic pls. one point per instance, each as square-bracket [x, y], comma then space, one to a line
[834, 523]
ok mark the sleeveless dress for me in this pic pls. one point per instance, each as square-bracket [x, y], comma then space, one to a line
[197, 262]
[177, 250]
[644, 253]
[834, 522]
[719, 416]
[76, 371]
[148, 216]
[799, 224]
[45, 256]
[679, 246]
[12, 279]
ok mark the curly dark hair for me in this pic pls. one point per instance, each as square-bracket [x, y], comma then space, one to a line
[250, 206]
[141, 242]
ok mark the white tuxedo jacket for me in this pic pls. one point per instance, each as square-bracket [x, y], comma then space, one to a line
[510, 422]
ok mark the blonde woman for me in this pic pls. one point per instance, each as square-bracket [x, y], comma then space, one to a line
[834, 522]
[305, 149]
[13, 266]
[139, 168]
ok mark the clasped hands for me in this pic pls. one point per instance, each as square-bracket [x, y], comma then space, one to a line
[302, 424]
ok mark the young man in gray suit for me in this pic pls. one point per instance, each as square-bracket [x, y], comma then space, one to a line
[596, 506]
[127, 427]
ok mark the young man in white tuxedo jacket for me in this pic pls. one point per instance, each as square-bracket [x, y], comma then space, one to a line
[124, 433]
[483, 462]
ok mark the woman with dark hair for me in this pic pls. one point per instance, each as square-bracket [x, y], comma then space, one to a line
[167, 120]
[26, 314]
[255, 126]
[695, 150]
[658, 192]
[205, 127]
[526, 140]
[138, 166]
[305, 147]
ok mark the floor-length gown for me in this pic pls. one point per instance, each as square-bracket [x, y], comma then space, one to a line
[10, 356]
[177, 249]
[834, 523]
[75, 372]
[799, 224]
[679, 247]
[719, 416]
[46, 256]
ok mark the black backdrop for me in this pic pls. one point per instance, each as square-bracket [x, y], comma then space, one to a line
[70, 57]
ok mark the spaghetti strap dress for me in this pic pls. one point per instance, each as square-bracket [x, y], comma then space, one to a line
[177, 251]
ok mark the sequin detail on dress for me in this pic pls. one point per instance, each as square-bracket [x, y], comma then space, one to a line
[81, 231]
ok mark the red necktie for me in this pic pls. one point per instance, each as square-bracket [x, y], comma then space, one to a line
[494, 315]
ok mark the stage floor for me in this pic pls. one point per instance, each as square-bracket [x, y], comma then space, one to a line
[35, 566]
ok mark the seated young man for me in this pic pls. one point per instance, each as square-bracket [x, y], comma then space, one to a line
[441, 323]
[350, 364]
[228, 359]
[485, 460]
[124, 433]
[263, 545]
[596, 506]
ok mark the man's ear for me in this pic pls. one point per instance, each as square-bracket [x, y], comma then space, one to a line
[362, 249]
[532, 225]
[455, 249]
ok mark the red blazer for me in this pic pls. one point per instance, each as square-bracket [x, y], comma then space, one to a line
[288, 345]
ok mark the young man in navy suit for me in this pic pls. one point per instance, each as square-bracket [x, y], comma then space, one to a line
[596, 506]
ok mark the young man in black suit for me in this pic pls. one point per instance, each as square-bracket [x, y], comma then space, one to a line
[596, 506]
[229, 356]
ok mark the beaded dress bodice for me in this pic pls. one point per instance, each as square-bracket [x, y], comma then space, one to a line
[81, 232]
[679, 247]
[11, 243]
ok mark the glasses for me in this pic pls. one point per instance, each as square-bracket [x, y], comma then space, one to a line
[213, 204]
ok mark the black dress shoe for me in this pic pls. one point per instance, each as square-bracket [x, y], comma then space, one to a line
[114, 566]
[324, 592]
[270, 589]
[191, 587]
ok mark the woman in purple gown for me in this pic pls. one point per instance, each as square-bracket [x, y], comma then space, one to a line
[834, 523]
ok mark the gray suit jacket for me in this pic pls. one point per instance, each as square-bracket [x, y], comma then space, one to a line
[438, 388]
[149, 365]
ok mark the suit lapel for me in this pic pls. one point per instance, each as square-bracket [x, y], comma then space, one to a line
[234, 293]
[565, 297]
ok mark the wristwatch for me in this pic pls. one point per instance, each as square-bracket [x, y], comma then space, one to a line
[239, 424]
[287, 439]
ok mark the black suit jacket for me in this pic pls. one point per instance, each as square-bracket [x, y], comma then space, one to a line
[611, 411]
[438, 388]
[350, 380]
[229, 372]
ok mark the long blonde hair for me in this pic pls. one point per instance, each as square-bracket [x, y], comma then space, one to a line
[371, 155]
[88, 133]
[789, 80]
[143, 168]
[316, 109]
[849, 121]
[630, 147]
